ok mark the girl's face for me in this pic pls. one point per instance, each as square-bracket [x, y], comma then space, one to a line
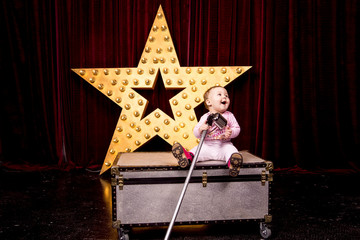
[218, 100]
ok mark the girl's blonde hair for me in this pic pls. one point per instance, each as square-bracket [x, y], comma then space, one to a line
[206, 95]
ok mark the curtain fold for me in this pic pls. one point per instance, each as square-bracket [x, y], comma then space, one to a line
[297, 106]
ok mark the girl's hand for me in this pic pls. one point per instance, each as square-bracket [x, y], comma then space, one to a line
[227, 133]
[204, 127]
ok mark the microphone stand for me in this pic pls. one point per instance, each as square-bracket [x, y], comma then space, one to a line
[203, 134]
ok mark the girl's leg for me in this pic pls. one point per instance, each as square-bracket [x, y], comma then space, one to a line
[182, 155]
[235, 163]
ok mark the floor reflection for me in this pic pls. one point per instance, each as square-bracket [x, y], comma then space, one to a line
[78, 205]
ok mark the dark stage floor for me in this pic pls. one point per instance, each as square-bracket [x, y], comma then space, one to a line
[77, 205]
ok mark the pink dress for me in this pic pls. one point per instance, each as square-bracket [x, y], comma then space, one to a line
[215, 148]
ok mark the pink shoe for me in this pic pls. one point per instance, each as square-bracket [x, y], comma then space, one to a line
[184, 157]
[235, 162]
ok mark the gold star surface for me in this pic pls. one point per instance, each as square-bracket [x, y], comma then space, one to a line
[120, 84]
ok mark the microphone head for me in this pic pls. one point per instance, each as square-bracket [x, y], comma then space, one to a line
[217, 119]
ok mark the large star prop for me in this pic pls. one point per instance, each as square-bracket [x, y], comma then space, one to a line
[120, 84]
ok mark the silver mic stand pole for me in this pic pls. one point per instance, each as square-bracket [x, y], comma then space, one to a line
[203, 134]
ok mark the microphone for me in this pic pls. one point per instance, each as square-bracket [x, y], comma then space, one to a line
[217, 119]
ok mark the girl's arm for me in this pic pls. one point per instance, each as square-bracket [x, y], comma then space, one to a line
[201, 122]
[234, 125]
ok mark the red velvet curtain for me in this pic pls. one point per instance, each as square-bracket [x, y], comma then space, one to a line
[297, 105]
